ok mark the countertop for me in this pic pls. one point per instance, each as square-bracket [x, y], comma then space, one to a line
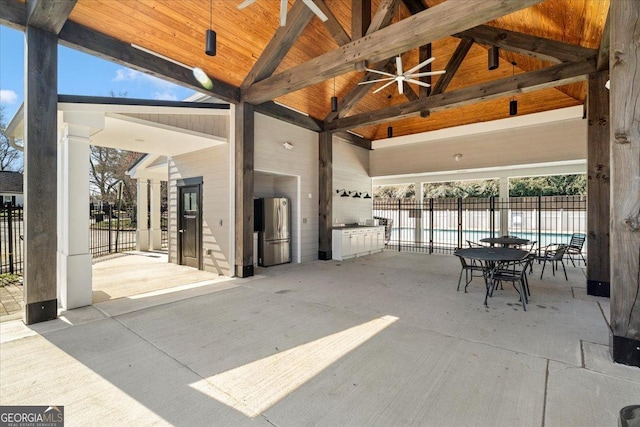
[352, 226]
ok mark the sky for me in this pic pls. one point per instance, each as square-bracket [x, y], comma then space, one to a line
[78, 74]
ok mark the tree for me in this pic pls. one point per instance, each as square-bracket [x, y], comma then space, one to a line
[10, 158]
[108, 167]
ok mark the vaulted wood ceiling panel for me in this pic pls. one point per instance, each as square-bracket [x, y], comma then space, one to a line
[175, 28]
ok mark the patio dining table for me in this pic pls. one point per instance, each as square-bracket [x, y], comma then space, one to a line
[505, 241]
[491, 257]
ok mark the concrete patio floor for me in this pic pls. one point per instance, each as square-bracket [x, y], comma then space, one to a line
[381, 340]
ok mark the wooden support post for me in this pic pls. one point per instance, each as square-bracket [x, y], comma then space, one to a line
[244, 150]
[325, 192]
[598, 279]
[624, 62]
[40, 177]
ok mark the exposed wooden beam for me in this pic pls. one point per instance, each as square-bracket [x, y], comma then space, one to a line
[424, 53]
[244, 185]
[13, 14]
[557, 75]
[333, 26]
[297, 19]
[452, 66]
[325, 195]
[360, 23]
[525, 44]
[360, 18]
[414, 6]
[384, 14]
[353, 139]
[49, 15]
[605, 42]
[285, 114]
[432, 24]
[94, 43]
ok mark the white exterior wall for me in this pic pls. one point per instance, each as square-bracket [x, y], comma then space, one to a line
[213, 166]
[217, 125]
[350, 172]
[297, 168]
[550, 142]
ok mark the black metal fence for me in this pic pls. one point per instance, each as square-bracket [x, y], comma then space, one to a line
[442, 225]
[11, 239]
[112, 230]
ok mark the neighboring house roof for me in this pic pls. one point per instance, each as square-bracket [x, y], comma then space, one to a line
[11, 182]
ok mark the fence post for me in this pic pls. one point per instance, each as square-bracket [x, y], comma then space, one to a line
[399, 223]
[460, 222]
[431, 225]
[539, 224]
[109, 209]
[10, 236]
[492, 216]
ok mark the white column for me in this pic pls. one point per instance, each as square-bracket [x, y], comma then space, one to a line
[142, 216]
[74, 258]
[419, 202]
[156, 231]
[504, 210]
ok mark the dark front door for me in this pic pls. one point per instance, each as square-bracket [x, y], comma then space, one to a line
[190, 226]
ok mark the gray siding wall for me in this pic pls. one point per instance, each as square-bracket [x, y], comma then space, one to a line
[299, 165]
[350, 172]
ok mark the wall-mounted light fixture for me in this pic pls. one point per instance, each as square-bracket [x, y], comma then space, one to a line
[494, 57]
[287, 145]
[366, 196]
[210, 35]
[345, 193]
[356, 195]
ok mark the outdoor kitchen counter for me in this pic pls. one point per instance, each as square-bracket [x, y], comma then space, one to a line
[352, 241]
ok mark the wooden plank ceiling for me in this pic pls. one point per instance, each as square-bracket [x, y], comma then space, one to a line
[175, 28]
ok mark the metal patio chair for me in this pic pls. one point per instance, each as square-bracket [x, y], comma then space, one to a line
[575, 247]
[468, 269]
[553, 253]
[514, 272]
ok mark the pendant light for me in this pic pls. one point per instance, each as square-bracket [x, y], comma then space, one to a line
[389, 132]
[210, 35]
[513, 104]
[494, 57]
[334, 98]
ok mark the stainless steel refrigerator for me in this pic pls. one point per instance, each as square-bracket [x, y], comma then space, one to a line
[273, 224]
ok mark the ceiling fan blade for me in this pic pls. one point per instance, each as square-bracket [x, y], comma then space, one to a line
[420, 65]
[283, 13]
[383, 86]
[315, 9]
[386, 79]
[399, 65]
[418, 82]
[428, 73]
[384, 73]
[400, 87]
[245, 3]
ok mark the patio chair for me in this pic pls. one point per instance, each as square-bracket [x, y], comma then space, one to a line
[468, 269]
[575, 247]
[553, 253]
[514, 272]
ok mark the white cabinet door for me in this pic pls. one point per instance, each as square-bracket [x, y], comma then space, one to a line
[365, 249]
[347, 238]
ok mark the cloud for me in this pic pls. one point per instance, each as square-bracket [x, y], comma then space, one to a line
[167, 95]
[8, 96]
[127, 75]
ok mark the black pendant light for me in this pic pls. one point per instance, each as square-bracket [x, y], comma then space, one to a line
[494, 57]
[334, 98]
[513, 104]
[210, 35]
[389, 132]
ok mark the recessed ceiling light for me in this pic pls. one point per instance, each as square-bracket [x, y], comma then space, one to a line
[138, 140]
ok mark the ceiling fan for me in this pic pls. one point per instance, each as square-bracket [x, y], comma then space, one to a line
[283, 9]
[400, 77]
